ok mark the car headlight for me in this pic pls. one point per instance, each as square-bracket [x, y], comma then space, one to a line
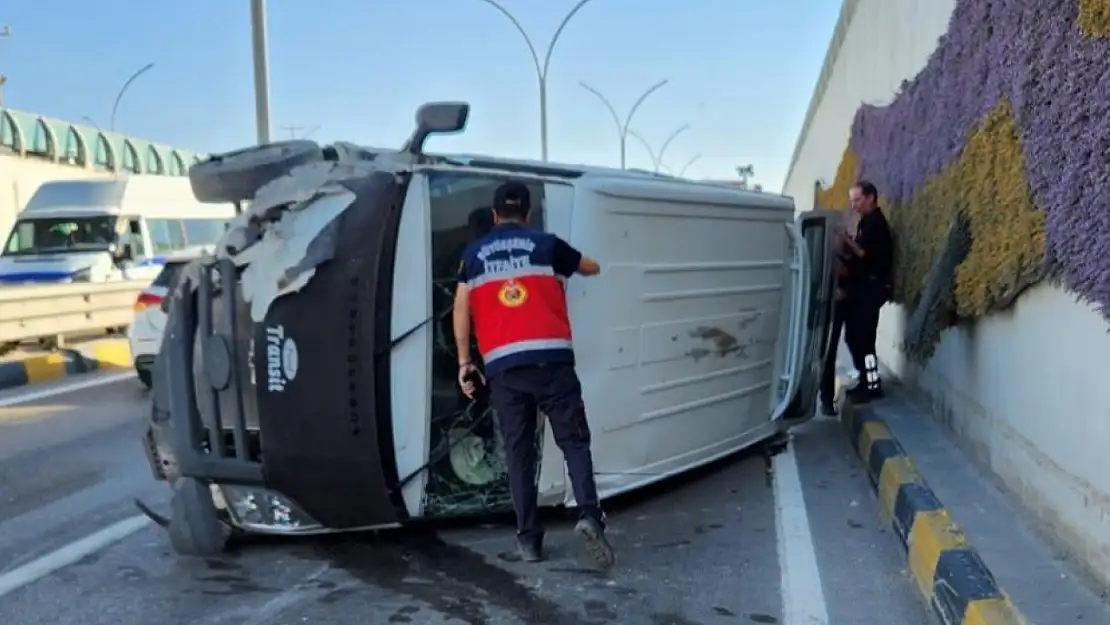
[264, 510]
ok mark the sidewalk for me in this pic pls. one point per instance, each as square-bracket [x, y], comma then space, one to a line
[1044, 585]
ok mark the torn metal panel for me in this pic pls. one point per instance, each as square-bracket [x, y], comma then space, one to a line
[281, 262]
[293, 191]
[289, 228]
[303, 184]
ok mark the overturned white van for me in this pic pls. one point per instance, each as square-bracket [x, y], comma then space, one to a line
[307, 379]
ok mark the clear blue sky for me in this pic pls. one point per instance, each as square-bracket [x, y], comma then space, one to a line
[741, 72]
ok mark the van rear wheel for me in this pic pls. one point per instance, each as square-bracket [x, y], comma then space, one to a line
[195, 527]
[236, 176]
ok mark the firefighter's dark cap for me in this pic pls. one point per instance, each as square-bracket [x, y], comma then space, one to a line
[512, 198]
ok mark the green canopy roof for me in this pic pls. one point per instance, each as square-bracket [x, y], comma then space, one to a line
[35, 136]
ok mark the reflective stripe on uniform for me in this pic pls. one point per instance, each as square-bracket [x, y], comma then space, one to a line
[523, 272]
[525, 346]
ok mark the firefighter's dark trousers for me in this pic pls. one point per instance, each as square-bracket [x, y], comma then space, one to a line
[861, 329]
[517, 394]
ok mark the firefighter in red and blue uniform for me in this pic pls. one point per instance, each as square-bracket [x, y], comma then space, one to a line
[511, 283]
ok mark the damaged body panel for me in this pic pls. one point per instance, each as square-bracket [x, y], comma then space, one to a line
[308, 374]
[339, 467]
[252, 398]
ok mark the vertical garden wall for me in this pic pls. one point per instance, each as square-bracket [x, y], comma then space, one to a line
[1004, 134]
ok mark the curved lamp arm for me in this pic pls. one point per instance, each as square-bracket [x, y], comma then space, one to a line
[636, 105]
[693, 159]
[541, 69]
[671, 137]
[558, 33]
[122, 90]
[523, 33]
[621, 128]
[647, 146]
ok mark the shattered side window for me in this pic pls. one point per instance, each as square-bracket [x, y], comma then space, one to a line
[471, 476]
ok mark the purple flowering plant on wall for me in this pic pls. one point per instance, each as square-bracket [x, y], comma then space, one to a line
[1028, 83]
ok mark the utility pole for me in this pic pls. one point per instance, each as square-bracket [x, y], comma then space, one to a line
[5, 33]
[260, 55]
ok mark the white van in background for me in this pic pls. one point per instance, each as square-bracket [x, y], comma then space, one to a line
[105, 230]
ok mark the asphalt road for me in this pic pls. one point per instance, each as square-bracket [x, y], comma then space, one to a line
[708, 549]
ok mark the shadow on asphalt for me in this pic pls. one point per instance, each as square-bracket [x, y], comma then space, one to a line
[433, 563]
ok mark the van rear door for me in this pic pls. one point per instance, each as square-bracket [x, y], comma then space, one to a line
[814, 238]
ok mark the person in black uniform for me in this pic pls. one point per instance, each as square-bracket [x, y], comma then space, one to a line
[870, 284]
[511, 285]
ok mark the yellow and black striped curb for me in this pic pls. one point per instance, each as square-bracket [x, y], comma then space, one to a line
[954, 580]
[109, 354]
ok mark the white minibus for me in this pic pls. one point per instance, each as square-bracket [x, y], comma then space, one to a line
[107, 229]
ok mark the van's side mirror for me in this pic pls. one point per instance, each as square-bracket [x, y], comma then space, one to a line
[437, 118]
[440, 117]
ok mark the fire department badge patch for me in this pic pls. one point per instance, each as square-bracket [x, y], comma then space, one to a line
[512, 294]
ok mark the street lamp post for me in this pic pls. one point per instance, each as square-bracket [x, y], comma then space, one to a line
[261, 71]
[122, 90]
[657, 157]
[541, 69]
[622, 126]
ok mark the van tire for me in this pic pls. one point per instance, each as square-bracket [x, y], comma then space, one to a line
[236, 176]
[195, 528]
[146, 378]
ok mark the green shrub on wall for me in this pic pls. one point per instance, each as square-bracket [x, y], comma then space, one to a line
[836, 196]
[1094, 17]
[1007, 231]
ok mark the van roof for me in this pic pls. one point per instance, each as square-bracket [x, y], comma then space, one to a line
[545, 168]
[611, 174]
[107, 196]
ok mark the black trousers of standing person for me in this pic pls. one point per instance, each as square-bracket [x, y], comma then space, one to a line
[861, 328]
[517, 395]
[828, 372]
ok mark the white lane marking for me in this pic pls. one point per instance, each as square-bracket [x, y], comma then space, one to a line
[77, 385]
[69, 554]
[288, 598]
[803, 597]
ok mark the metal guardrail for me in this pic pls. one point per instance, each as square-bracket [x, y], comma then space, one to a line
[56, 310]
